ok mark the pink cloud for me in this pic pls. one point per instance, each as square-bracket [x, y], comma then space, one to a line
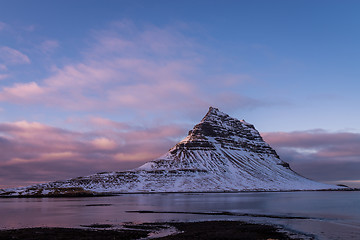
[101, 123]
[104, 143]
[137, 70]
[22, 92]
[33, 152]
[12, 56]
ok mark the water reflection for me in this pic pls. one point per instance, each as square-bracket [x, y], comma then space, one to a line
[332, 207]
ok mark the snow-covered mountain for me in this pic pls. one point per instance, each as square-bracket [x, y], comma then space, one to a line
[219, 154]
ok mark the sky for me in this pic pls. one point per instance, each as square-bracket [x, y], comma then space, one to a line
[89, 86]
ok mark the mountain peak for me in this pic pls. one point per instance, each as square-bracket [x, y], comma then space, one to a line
[213, 113]
[214, 110]
[220, 154]
[217, 130]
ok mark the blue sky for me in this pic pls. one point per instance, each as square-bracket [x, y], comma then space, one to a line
[70, 68]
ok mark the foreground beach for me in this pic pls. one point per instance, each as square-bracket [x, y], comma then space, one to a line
[170, 230]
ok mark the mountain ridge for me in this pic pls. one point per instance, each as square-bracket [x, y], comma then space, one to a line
[220, 154]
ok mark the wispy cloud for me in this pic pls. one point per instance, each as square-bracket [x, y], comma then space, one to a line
[147, 69]
[2, 26]
[3, 67]
[49, 46]
[29, 28]
[12, 56]
[4, 76]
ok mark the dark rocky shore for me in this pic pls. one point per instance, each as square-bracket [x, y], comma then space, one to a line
[181, 230]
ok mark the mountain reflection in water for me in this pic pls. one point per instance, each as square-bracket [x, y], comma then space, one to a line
[328, 215]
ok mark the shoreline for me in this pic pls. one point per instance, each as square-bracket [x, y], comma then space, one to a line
[158, 230]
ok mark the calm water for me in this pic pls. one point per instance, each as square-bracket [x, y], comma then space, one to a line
[333, 215]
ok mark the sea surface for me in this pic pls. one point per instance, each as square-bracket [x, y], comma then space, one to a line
[319, 215]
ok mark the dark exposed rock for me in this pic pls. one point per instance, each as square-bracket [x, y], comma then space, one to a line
[228, 132]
